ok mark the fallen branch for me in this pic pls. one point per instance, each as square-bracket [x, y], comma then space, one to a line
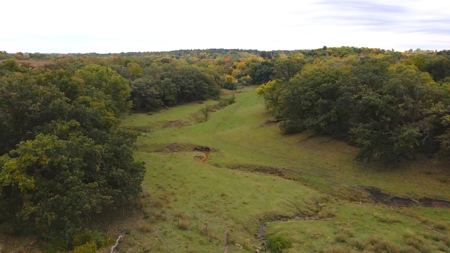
[115, 245]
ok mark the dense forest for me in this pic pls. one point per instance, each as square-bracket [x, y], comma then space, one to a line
[65, 158]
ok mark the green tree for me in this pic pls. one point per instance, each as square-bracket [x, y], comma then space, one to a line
[109, 82]
[271, 92]
[286, 67]
[25, 105]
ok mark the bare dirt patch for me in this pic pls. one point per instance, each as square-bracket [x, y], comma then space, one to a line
[380, 197]
[144, 129]
[427, 202]
[180, 147]
[281, 172]
[174, 124]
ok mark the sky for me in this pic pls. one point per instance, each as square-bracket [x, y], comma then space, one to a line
[81, 26]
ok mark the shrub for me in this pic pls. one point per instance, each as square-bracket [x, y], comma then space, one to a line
[277, 243]
[358, 244]
[341, 237]
[206, 111]
[145, 228]
[89, 247]
[90, 236]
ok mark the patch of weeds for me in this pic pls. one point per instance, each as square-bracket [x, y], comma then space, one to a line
[316, 235]
[409, 249]
[385, 246]
[91, 236]
[203, 230]
[161, 216]
[409, 233]
[145, 195]
[374, 240]
[213, 237]
[442, 248]
[445, 238]
[377, 245]
[206, 113]
[349, 232]
[357, 244]
[183, 224]
[341, 237]
[277, 243]
[327, 213]
[88, 247]
[386, 218]
[145, 228]
[443, 180]
[432, 237]
[226, 101]
[418, 243]
[179, 215]
[338, 250]
[441, 225]
[166, 198]
[158, 204]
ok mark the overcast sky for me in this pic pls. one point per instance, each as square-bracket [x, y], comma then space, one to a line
[82, 26]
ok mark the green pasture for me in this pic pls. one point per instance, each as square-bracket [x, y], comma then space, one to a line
[259, 183]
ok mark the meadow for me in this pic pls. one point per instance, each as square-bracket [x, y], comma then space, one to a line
[257, 187]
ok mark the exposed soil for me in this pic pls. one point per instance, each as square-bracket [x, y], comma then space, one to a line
[434, 202]
[144, 129]
[199, 158]
[379, 197]
[174, 123]
[202, 149]
[260, 235]
[179, 147]
[281, 172]
[271, 122]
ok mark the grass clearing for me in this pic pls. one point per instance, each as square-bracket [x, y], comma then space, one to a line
[308, 190]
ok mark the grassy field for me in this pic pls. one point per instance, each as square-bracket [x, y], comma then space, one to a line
[258, 184]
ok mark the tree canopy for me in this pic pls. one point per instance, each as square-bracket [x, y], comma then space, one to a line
[390, 106]
[62, 154]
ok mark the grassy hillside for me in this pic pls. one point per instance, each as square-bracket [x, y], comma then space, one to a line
[258, 183]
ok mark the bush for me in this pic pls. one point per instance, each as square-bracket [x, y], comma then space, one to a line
[89, 247]
[227, 101]
[277, 243]
[89, 238]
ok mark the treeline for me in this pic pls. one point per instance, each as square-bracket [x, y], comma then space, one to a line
[160, 80]
[390, 105]
[63, 157]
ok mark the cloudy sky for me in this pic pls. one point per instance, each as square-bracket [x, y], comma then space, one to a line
[82, 26]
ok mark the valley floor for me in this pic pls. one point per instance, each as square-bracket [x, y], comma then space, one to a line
[256, 183]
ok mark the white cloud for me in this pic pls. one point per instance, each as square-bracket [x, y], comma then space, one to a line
[133, 25]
